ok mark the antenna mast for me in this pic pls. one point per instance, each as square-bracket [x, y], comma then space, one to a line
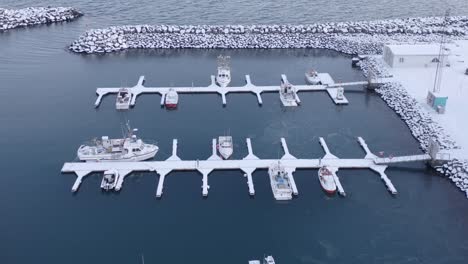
[441, 57]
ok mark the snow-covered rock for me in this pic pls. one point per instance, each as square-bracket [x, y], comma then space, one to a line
[348, 37]
[13, 18]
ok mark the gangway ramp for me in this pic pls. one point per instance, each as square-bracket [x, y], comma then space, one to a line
[402, 159]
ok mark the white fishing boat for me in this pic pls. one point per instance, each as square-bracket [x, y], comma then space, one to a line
[123, 99]
[109, 180]
[171, 99]
[223, 78]
[266, 260]
[287, 92]
[326, 180]
[128, 148]
[225, 146]
[312, 77]
[279, 180]
[269, 260]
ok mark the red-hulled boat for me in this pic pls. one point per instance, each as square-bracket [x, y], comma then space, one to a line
[326, 180]
[171, 100]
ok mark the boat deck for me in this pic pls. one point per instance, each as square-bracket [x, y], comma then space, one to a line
[248, 165]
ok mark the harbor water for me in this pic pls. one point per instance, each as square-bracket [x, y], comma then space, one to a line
[48, 110]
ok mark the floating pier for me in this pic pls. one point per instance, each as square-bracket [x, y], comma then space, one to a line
[328, 84]
[249, 164]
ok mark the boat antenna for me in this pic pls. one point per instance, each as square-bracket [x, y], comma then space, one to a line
[129, 130]
[441, 57]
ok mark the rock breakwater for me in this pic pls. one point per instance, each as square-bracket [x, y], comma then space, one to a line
[348, 37]
[13, 18]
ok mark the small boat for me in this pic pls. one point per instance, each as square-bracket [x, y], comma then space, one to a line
[128, 148]
[266, 260]
[269, 260]
[223, 78]
[287, 92]
[312, 77]
[109, 181]
[326, 180]
[340, 93]
[225, 146]
[123, 99]
[171, 99]
[279, 180]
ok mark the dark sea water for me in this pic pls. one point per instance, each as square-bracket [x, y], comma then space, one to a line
[47, 111]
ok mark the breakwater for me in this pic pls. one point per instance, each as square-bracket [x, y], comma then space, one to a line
[348, 37]
[13, 18]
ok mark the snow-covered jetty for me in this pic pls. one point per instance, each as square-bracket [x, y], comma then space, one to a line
[13, 18]
[343, 36]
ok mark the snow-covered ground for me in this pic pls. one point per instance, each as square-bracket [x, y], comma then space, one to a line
[454, 84]
[406, 95]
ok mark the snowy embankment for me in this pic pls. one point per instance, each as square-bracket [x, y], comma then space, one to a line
[13, 18]
[348, 37]
[421, 124]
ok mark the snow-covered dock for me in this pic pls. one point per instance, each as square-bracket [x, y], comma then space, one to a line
[328, 85]
[248, 165]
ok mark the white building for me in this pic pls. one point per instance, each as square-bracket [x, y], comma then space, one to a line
[415, 56]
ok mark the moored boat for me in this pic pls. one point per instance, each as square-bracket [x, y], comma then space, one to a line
[171, 99]
[269, 260]
[287, 93]
[223, 78]
[266, 260]
[312, 77]
[128, 148]
[279, 181]
[123, 99]
[327, 182]
[109, 180]
[225, 146]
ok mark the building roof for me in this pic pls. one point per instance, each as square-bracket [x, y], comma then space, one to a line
[416, 49]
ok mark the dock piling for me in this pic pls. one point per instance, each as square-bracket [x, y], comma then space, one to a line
[163, 98]
[286, 155]
[337, 181]
[141, 81]
[162, 175]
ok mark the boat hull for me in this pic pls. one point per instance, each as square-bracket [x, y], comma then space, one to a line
[313, 80]
[171, 99]
[223, 83]
[288, 102]
[171, 105]
[225, 153]
[109, 186]
[114, 158]
[283, 193]
[327, 182]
